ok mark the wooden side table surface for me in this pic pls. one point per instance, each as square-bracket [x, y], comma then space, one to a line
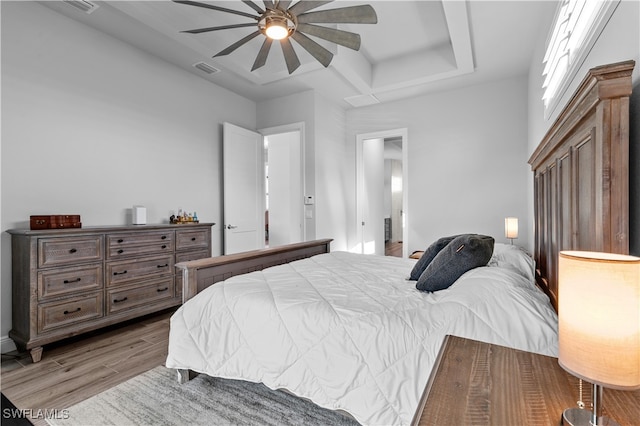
[476, 383]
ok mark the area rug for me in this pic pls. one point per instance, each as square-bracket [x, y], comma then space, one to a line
[156, 398]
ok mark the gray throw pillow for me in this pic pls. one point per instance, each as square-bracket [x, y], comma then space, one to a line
[428, 255]
[462, 254]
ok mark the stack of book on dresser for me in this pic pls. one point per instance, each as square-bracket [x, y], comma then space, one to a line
[54, 221]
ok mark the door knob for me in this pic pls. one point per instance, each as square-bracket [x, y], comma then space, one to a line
[231, 227]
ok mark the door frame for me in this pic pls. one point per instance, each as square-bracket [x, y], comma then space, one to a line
[288, 128]
[383, 134]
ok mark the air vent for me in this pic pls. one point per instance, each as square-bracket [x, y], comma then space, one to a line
[362, 100]
[82, 5]
[204, 67]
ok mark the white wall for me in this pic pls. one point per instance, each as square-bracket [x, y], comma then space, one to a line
[467, 152]
[619, 41]
[335, 192]
[92, 126]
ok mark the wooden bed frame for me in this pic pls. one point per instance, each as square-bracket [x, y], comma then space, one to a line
[581, 174]
[581, 191]
[200, 274]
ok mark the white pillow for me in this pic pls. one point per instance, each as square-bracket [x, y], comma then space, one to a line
[513, 258]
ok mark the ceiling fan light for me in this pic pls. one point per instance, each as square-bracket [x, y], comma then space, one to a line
[277, 29]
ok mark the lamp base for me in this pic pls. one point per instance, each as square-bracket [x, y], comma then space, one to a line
[581, 417]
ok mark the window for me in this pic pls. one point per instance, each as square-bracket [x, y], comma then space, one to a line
[577, 25]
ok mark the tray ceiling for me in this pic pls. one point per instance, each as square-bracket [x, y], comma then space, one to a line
[416, 46]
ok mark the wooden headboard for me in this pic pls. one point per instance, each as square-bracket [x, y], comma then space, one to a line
[581, 174]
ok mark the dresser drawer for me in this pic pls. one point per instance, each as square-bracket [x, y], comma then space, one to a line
[64, 251]
[64, 281]
[139, 244]
[128, 298]
[191, 239]
[70, 311]
[191, 255]
[122, 272]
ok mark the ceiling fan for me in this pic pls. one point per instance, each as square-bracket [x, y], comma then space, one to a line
[278, 21]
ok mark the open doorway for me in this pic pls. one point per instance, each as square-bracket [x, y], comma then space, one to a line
[392, 193]
[284, 209]
[381, 193]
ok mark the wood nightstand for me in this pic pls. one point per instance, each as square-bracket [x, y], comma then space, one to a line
[476, 383]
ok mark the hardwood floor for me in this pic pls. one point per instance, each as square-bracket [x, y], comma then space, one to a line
[393, 249]
[78, 368]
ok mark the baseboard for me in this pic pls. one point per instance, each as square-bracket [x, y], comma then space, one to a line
[7, 345]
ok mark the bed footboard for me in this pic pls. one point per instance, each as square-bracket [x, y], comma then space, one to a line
[200, 274]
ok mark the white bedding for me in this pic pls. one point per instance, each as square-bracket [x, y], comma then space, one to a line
[349, 332]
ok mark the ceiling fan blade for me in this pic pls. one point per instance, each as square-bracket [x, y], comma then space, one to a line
[363, 14]
[304, 5]
[269, 4]
[343, 38]
[237, 44]
[223, 27]
[290, 56]
[321, 54]
[253, 6]
[283, 4]
[218, 8]
[261, 59]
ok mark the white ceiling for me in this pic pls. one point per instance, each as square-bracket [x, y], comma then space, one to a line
[416, 47]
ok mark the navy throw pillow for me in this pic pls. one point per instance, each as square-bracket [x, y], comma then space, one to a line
[428, 255]
[462, 254]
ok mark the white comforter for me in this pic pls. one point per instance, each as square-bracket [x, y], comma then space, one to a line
[349, 331]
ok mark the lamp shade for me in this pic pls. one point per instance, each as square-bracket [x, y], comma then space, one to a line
[599, 318]
[511, 227]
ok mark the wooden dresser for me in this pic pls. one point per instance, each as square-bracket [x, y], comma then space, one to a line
[70, 281]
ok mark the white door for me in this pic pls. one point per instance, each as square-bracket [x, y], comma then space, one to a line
[372, 187]
[243, 177]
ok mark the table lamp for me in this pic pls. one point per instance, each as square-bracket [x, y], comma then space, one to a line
[599, 325]
[511, 228]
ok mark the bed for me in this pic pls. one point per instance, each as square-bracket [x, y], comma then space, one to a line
[351, 333]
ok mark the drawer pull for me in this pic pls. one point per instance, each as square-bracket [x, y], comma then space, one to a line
[163, 266]
[73, 250]
[120, 240]
[164, 237]
[164, 246]
[120, 300]
[120, 273]
[77, 280]
[72, 312]
[120, 251]
[160, 290]
[193, 238]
